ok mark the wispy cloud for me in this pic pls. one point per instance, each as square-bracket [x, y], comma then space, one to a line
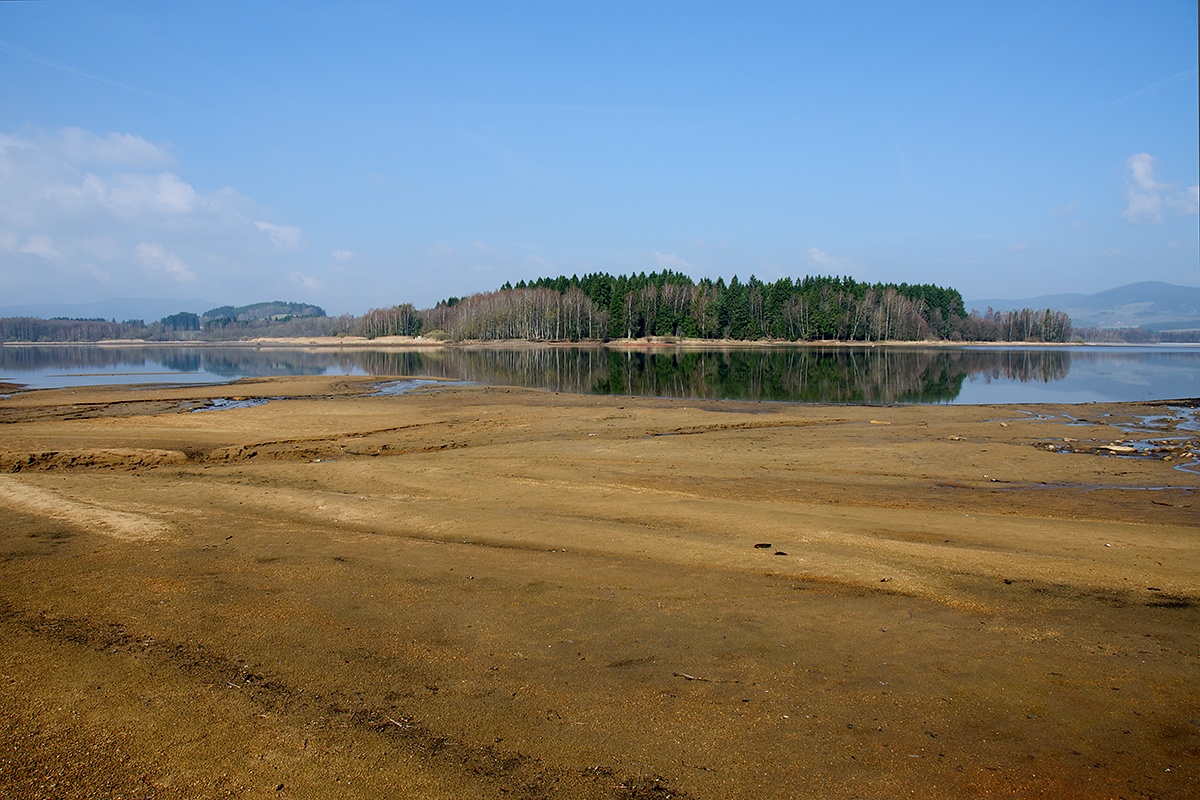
[39, 244]
[671, 261]
[1148, 200]
[62, 66]
[160, 259]
[284, 237]
[1154, 87]
[124, 149]
[343, 255]
[307, 282]
[821, 260]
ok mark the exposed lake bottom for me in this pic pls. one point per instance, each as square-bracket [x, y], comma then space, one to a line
[488, 591]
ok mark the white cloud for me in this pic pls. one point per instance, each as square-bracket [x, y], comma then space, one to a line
[672, 262]
[98, 273]
[1147, 199]
[822, 260]
[306, 282]
[39, 244]
[125, 149]
[1143, 193]
[80, 211]
[130, 196]
[284, 237]
[158, 258]
[1191, 200]
[343, 255]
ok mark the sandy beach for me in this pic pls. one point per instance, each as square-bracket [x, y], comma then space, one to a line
[482, 592]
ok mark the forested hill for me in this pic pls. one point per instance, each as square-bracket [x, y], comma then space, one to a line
[277, 309]
[600, 306]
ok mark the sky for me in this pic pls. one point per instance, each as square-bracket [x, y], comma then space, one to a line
[361, 154]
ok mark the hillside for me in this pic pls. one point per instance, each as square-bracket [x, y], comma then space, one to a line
[275, 310]
[1153, 305]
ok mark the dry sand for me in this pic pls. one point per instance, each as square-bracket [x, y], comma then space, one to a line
[473, 592]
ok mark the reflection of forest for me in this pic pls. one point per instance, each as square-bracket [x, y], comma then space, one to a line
[804, 374]
[231, 362]
[841, 375]
[832, 375]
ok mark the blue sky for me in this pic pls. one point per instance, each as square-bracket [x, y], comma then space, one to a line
[364, 154]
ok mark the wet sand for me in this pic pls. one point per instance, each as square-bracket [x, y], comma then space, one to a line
[464, 591]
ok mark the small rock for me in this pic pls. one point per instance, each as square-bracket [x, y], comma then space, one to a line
[763, 545]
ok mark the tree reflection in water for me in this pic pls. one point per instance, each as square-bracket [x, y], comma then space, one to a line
[808, 374]
[788, 374]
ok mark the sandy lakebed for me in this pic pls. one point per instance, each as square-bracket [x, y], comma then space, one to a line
[480, 592]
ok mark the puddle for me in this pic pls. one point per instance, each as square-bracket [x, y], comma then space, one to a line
[1180, 419]
[226, 403]
[1147, 440]
[1091, 487]
[382, 389]
[392, 388]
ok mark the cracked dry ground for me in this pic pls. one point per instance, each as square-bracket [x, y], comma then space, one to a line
[487, 593]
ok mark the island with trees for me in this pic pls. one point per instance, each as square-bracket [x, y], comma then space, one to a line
[599, 307]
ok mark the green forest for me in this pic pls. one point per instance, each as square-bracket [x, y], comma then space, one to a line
[671, 304]
[602, 307]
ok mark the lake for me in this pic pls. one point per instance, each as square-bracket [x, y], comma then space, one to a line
[806, 374]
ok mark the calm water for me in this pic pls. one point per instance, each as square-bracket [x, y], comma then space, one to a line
[799, 374]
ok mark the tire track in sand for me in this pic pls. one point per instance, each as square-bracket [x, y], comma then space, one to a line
[21, 496]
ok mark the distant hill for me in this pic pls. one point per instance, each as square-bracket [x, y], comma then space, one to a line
[275, 310]
[1153, 305]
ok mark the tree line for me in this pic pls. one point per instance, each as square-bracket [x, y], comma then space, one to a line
[600, 307]
[670, 304]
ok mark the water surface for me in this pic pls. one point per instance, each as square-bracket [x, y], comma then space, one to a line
[970, 375]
